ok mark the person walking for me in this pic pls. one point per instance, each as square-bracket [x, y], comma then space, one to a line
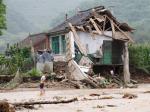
[42, 84]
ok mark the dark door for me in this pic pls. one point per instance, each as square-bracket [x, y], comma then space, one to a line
[117, 51]
[107, 52]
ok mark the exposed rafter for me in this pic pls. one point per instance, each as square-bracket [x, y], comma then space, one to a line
[95, 26]
[121, 31]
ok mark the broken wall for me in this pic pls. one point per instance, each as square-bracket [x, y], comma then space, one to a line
[93, 43]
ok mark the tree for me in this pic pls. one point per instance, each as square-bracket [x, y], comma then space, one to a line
[2, 16]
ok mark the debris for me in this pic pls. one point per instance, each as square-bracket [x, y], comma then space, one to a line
[134, 81]
[76, 84]
[111, 105]
[107, 97]
[44, 102]
[146, 92]
[99, 106]
[131, 86]
[129, 96]
[6, 107]
[94, 94]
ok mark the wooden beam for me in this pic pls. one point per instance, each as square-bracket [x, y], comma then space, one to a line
[104, 23]
[95, 26]
[126, 64]
[77, 40]
[113, 29]
[99, 20]
[45, 102]
[108, 29]
[81, 28]
[121, 31]
[95, 14]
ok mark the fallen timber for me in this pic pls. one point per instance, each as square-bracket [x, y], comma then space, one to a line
[45, 102]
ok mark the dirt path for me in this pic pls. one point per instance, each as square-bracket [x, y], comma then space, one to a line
[116, 104]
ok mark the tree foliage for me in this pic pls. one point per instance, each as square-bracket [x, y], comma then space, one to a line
[14, 59]
[2, 16]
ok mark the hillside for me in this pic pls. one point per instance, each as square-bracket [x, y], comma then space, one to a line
[33, 16]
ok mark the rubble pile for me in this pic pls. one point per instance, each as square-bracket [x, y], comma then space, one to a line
[101, 81]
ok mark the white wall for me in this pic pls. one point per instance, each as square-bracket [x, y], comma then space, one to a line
[93, 44]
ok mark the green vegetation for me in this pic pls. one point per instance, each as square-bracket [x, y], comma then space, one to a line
[15, 58]
[33, 73]
[140, 56]
[2, 16]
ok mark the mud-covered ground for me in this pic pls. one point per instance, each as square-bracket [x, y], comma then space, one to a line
[108, 100]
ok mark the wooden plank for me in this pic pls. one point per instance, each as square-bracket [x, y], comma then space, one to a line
[77, 40]
[95, 26]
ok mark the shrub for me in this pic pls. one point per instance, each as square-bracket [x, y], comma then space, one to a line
[15, 58]
[34, 72]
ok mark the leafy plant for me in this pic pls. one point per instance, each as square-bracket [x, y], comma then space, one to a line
[33, 72]
[15, 58]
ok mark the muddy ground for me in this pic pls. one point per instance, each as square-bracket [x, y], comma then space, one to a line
[105, 100]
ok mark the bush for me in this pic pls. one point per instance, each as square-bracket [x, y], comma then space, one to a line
[33, 73]
[15, 58]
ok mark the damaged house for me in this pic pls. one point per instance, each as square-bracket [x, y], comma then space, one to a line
[92, 36]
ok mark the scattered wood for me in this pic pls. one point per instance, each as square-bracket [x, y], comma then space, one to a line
[131, 85]
[129, 96]
[99, 106]
[111, 105]
[134, 81]
[76, 84]
[90, 82]
[94, 94]
[146, 92]
[107, 97]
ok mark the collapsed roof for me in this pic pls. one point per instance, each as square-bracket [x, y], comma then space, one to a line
[95, 19]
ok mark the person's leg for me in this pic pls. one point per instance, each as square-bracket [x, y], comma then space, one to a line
[41, 89]
[41, 93]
